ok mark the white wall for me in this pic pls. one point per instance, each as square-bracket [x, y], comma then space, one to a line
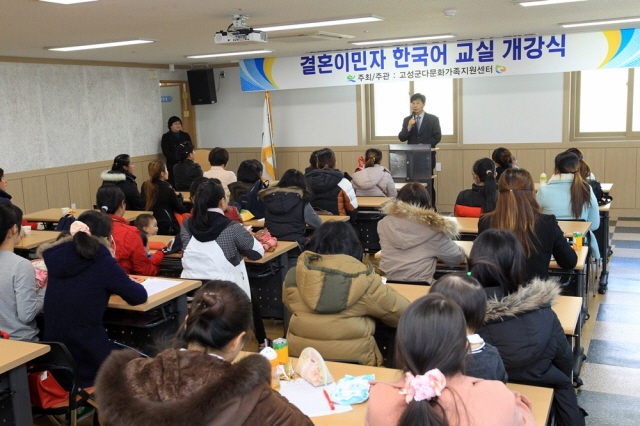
[58, 115]
[513, 109]
[301, 117]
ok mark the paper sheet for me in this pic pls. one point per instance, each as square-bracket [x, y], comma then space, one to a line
[156, 285]
[309, 399]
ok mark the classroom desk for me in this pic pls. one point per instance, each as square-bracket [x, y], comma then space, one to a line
[259, 223]
[177, 296]
[37, 238]
[372, 202]
[469, 225]
[567, 308]
[606, 187]
[540, 397]
[13, 378]
[54, 215]
[186, 196]
[604, 244]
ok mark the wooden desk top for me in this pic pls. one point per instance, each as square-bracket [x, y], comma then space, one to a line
[282, 247]
[605, 208]
[54, 215]
[606, 187]
[259, 223]
[157, 299]
[14, 353]
[567, 308]
[36, 239]
[372, 202]
[469, 225]
[186, 196]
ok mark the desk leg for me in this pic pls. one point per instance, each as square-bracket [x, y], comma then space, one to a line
[283, 266]
[20, 400]
[578, 350]
[604, 275]
[181, 308]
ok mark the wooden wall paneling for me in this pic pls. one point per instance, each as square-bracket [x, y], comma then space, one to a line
[202, 158]
[35, 194]
[95, 182]
[286, 161]
[80, 189]
[15, 190]
[349, 161]
[535, 161]
[594, 157]
[58, 190]
[449, 181]
[621, 170]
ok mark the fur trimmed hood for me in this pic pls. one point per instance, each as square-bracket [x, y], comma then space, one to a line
[111, 176]
[426, 217]
[63, 261]
[538, 293]
[276, 189]
[178, 388]
[44, 247]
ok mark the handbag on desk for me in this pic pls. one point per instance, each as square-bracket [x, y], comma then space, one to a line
[268, 241]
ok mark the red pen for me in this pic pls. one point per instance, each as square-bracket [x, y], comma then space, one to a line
[326, 395]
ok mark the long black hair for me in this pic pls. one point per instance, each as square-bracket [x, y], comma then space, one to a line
[120, 162]
[485, 169]
[109, 197]
[432, 333]
[208, 196]
[10, 216]
[496, 260]
[99, 224]
[293, 178]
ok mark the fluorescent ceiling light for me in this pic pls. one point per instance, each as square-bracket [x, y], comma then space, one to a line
[100, 45]
[68, 1]
[529, 3]
[403, 40]
[218, 55]
[341, 21]
[600, 22]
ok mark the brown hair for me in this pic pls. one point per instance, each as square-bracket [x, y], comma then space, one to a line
[583, 167]
[517, 209]
[415, 193]
[156, 167]
[568, 162]
[372, 157]
[467, 292]
[326, 158]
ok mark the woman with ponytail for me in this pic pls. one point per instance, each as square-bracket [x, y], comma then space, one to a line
[431, 348]
[129, 250]
[83, 274]
[483, 195]
[374, 180]
[198, 382]
[20, 302]
[161, 198]
[569, 196]
[518, 211]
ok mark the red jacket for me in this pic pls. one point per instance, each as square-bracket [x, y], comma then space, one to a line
[130, 253]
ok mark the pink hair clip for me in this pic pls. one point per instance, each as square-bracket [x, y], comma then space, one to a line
[78, 226]
[421, 387]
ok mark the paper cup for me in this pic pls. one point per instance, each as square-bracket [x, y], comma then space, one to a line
[65, 211]
[26, 230]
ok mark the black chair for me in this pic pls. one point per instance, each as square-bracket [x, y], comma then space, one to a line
[60, 362]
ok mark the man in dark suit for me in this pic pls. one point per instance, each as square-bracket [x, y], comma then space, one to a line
[422, 128]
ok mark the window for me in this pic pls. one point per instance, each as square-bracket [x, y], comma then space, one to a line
[388, 103]
[606, 105]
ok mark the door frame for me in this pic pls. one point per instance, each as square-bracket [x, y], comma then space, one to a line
[187, 111]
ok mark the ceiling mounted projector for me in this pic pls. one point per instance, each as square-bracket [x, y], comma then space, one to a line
[238, 32]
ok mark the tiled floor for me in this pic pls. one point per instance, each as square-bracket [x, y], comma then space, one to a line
[611, 374]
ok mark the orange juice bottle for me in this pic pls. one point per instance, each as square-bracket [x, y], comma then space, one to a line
[577, 240]
[281, 347]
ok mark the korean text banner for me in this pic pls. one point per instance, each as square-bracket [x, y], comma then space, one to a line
[478, 58]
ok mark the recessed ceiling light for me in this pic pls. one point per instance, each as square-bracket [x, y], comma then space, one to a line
[100, 45]
[600, 22]
[340, 21]
[67, 1]
[530, 3]
[403, 40]
[218, 55]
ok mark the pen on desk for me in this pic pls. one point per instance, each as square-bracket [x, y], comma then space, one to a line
[326, 395]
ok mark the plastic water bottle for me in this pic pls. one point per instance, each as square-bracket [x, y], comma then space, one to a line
[543, 178]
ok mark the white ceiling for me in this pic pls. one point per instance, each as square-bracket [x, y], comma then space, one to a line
[187, 27]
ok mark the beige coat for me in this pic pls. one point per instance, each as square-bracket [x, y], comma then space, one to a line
[333, 300]
[413, 239]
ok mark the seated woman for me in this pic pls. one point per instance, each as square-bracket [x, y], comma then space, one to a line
[213, 389]
[431, 348]
[218, 158]
[213, 245]
[521, 324]
[583, 167]
[130, 252]
[374, 180]
[413, 237]
[83, 274]
[330, 189]
[568, 196]
[504, 160]
[20, 302]
[122, 174]
[186, 170]
[518, 211]
[160, 198]
[483, 195]
[244, 192]
[333, 298]
[287, 208]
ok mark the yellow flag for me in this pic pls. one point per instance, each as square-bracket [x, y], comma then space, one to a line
[268, 157]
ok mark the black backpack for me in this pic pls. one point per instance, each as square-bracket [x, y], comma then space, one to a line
[250, 201]
[64, 224]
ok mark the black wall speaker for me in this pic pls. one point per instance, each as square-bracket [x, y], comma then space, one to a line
[202, 87]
